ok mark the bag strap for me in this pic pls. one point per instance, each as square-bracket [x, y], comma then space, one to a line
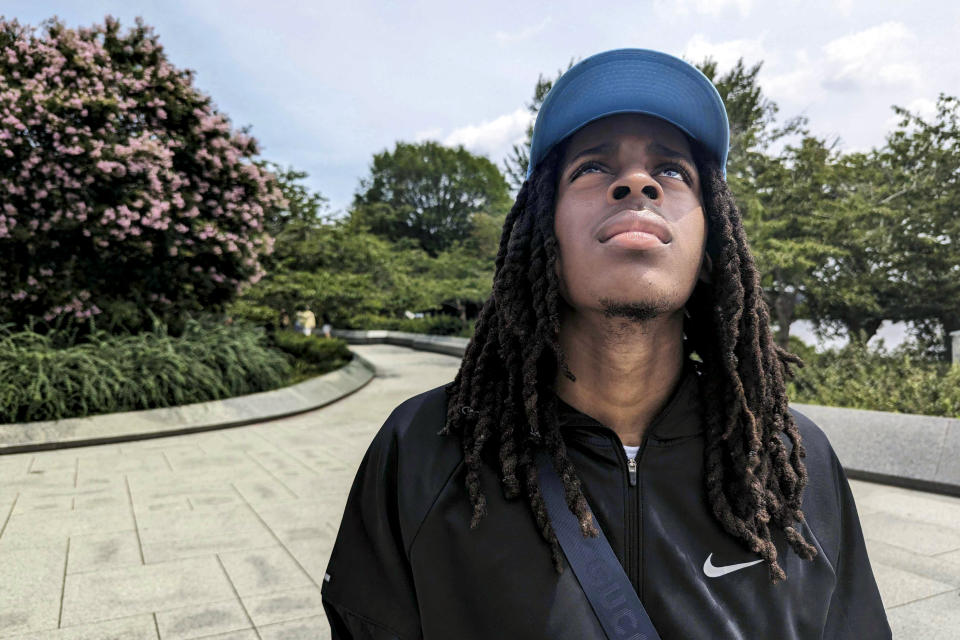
[601, 576]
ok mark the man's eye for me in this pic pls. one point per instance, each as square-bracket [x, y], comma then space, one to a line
[584, 168]
[674, 172]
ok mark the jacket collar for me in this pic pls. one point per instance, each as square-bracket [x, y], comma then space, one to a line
[681, 416]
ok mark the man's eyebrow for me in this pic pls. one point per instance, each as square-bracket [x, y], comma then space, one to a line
[663, 150]
[657, 148]
[603, 147]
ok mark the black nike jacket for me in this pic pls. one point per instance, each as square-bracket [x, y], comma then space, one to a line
[406, 566]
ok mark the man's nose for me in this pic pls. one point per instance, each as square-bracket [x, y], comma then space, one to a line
[635, 182]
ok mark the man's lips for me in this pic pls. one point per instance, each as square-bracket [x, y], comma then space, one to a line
[633, 220]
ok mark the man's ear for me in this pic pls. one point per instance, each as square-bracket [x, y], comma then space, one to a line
[706, 268]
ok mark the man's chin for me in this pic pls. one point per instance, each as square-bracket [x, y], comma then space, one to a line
[634, 310]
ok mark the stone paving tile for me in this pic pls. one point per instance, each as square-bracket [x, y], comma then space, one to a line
[97, 551]
[899, 587]
[69, 499]
[141, 627]
[158, 527]
[203, 621]
[220, 461]
[914, 506]
[122, 463]
[193, 547]
[113, 497]
[40, 480]
[192, 496]
[43, 501]
[333, 487]
[283, 606]
[936, 618]
[236, 635]
[297, 520]
[15, 464]
[38, 575]
[263, 491]
[950, 556]
[315, 628]
[939, 568]
[313, 554]
[67, 458]
[111, 593]
[921, 537]
[100, 480]
[260, 571]
[38, 528]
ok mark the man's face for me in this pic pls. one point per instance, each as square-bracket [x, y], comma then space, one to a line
[619, 173]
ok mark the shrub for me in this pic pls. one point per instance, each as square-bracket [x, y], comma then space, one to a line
[124, 190]
[324, 354]
[439, 325]
[856, 376]
[108, 373]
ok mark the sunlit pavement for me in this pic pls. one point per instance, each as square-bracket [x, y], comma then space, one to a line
[226, 534]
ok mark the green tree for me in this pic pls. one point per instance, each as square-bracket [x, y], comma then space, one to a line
[920, 166]
[777, 195]
[301, 203]
[124, 193]
[842, 242]
[752, 116]
[428, 192]
[516, 164]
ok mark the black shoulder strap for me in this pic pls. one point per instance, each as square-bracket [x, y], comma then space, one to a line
[593, 562]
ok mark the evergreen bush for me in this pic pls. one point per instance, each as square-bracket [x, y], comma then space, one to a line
[110, 373]
[901, 380]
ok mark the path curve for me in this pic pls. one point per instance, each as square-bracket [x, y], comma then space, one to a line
[226, 534]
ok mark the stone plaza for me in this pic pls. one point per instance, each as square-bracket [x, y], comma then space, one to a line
[226, 534]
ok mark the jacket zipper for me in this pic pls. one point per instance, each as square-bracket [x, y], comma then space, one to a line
[633, 553]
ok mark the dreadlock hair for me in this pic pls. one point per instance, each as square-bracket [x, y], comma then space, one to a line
[504, 387]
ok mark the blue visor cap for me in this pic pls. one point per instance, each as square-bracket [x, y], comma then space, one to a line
[632, 81]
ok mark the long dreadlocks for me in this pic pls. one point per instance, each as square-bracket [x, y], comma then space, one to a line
[504, 386]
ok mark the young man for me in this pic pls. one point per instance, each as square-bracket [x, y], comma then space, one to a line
[623, 256]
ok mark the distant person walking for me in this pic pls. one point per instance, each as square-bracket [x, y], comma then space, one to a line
[307, 321]
[327, 327]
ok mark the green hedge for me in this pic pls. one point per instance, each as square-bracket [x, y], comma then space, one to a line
[898, 380]
[439, 325]
[314, 355]
[43, 380]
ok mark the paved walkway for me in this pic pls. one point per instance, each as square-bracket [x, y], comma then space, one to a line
[226, 534]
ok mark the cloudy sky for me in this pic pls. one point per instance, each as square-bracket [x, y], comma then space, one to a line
[326, 85]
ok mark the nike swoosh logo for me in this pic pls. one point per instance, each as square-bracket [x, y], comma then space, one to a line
[716, 572]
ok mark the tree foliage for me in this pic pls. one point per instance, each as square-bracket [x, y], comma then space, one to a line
[919, 179]
[516, 164]
[429, 193]
[122, 188]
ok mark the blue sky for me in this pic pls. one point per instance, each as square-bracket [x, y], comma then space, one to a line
[326, 85]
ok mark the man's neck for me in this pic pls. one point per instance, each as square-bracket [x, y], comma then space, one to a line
[625, 371]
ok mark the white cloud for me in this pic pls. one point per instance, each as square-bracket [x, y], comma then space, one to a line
[427, 134]
[504, 37]
[492, 137]
[881, 56]
[843, 7]
[725, 53]
[712, 8]
[799, 85]
[923, 107]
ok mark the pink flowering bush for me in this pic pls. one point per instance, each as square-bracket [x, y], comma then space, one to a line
[122, 188]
